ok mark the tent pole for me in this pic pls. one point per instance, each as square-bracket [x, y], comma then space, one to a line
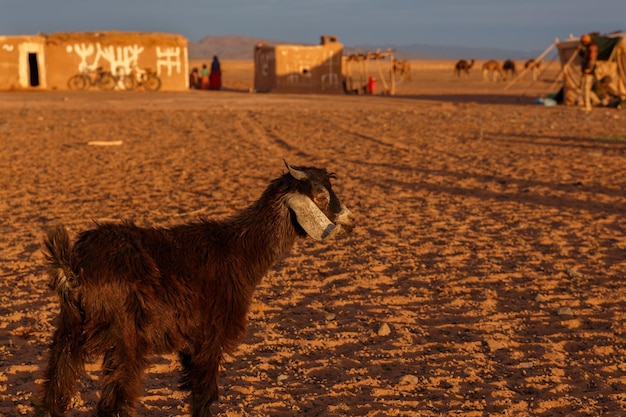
[562, 72]
[621, 71]
[545, 68]
[521, 74]
[392, 76]
[559, 78]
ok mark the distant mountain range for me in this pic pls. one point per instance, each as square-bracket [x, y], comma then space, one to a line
[242, 47]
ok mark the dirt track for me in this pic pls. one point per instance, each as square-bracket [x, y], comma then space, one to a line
[491, 240]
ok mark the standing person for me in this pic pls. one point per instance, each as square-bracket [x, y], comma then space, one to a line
[588, 51]
[215, 79]
[371, 85]
[204, 77]
[194, 79]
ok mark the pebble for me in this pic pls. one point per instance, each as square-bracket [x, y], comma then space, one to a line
[573, 274]
[409, 380]
[384, 330]
[330, 317]
[490, 293]
[565, 311]
[526, 365]
[493, 344]
[540, 298]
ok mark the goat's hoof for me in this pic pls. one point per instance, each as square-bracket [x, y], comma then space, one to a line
[40, 411]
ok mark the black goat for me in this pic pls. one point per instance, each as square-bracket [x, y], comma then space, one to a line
[128, 292]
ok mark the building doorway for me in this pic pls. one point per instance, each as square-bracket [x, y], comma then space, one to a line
[33, 67]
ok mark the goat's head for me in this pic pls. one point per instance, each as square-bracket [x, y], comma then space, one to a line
[317, 209]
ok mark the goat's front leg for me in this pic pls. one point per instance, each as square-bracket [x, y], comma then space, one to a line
[200, 377]
[122, 381]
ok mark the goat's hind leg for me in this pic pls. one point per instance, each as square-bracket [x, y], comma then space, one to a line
[66, 363]
[121, 382]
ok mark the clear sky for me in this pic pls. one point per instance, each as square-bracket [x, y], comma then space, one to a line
[506, 24]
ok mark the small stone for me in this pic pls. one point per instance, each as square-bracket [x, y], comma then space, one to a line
[540, 298]
[330, 317]
[494, 345]
[573, 274]
[565, 311]
[489, 293]
[282, 378]
[409, 380]
[527, 365]
[384, 330]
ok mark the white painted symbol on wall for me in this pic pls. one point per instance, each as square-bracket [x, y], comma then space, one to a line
[122, 59]
[168, 58]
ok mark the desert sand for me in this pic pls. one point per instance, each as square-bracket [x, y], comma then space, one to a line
[486, 275]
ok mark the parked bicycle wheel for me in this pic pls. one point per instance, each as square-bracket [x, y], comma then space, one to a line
[78, 82]
[107, 81]
[152, 83]
[129, 82]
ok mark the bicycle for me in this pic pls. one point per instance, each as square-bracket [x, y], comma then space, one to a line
[92, 78]
[145, 78]
[123, 79]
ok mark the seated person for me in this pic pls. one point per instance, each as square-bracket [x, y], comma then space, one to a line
[602, 94]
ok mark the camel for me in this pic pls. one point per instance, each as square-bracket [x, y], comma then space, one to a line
[463, 65]
[492, 67]
[509, 67]
[534, 66]
[403, 68]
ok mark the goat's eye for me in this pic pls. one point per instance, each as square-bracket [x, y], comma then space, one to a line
[321, 200]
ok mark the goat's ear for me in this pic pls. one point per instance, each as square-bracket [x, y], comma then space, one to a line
[297, 174]
[310, 217]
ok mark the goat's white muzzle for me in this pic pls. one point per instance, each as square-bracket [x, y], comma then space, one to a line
[314, 221]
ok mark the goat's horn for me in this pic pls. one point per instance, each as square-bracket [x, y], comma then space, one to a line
[310, 217]
[297, 174]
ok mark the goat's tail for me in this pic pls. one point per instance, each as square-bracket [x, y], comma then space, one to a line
[63, 280]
